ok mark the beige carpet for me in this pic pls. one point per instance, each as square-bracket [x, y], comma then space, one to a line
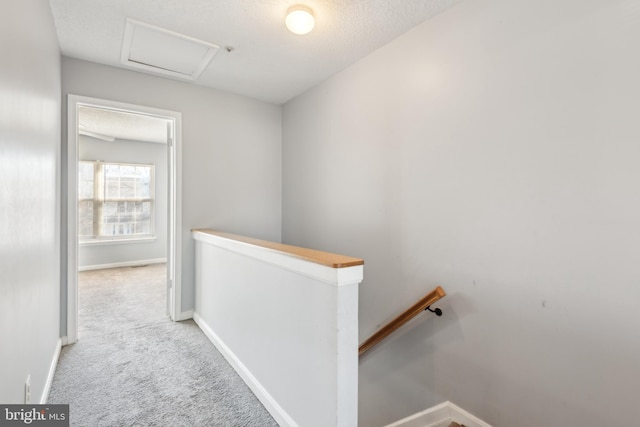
[132, 366]
[118, 299]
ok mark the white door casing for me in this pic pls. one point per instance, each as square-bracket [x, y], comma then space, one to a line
[174, 158]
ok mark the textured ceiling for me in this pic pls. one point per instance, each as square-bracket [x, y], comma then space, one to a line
[267, 61]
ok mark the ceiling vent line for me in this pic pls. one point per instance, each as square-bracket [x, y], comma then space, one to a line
[160, 51]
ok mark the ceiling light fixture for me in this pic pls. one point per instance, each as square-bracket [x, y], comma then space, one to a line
[300, 20]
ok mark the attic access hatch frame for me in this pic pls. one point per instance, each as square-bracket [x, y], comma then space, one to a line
[160, 51]
[174, 251]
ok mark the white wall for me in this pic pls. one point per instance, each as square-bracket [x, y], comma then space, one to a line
[231, 152]
[493, 150]
[29, 197]
[127, 151]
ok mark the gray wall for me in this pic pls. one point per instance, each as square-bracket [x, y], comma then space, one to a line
[127, 151]
[231, 152]
[493, 150]
[29, 197]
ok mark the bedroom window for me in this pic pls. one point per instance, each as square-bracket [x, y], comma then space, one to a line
[115, 200]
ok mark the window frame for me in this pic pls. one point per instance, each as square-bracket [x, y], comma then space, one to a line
[99, 199]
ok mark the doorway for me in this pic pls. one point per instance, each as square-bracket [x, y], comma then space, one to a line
[121, 222]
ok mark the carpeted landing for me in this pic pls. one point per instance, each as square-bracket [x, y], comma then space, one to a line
[118, 299]
[150, 372]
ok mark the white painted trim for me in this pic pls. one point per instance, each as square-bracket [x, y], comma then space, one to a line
[116, 241]
[72, 218]
[461, 416]
[175, 204]
[175, 227]
[277, 412]
[429, 417]
[441, 415]
[123, 264]
[52, 372]
[333, 276]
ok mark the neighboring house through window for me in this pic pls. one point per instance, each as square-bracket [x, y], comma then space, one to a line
[115, 200]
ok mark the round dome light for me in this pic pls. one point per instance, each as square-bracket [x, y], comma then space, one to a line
[300, 20]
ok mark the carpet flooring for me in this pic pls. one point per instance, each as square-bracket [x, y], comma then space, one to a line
[133, 367]
[119, 299]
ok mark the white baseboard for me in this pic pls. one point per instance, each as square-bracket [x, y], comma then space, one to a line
[441, 416]
[277, 412]
[123, 264]
[52, 371]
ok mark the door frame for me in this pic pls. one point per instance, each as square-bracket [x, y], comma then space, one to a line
[174, 161]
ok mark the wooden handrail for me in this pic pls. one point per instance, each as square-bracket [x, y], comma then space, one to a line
[403, 318]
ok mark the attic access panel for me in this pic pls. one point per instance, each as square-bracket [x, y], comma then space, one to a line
[165, 52]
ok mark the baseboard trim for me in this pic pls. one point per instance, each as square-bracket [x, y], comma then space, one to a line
[52, 372]
[123, 264]
[277, 412]
[441, 416]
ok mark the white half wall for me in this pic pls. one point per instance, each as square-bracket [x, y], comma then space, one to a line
[231, 152]
[492, 150]
[287, 325]
[29, 198]
[127, 151]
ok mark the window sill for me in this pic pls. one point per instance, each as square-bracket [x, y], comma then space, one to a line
[103, 241]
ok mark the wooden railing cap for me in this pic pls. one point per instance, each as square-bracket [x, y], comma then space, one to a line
[311, 255]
